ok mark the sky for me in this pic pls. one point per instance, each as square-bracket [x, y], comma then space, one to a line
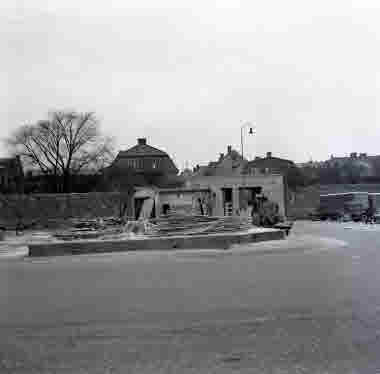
[187, 74]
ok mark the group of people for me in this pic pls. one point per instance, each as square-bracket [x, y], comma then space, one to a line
[369, 215]
[264, 212]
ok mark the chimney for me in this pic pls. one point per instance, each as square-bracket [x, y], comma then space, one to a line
[221, 156]
[229, 149]
[353, 155]
[141, 141]
[269, 154]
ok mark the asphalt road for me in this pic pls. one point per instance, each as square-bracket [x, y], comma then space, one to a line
[310, 304]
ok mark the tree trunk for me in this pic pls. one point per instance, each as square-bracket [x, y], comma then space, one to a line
[67, 182]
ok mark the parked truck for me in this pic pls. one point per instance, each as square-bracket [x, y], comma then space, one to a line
[374, 202]
[337, 206]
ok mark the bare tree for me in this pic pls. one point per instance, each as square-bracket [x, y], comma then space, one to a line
[63, 145]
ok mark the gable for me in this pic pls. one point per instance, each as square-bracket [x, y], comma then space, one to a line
[141, 150]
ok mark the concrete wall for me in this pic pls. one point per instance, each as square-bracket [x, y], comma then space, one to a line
[43, 208]
[185, 202]
[272, 187]
[179, 202]
[211, 241]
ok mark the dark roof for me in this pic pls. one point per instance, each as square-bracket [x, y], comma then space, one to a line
[183, 189]
[259, 160]
[142, 150]
[4, 161]
[145, 152]
[213, 164]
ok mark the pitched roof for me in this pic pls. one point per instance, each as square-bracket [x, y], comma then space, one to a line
[261, 159]
[142, 150]
[6, 160]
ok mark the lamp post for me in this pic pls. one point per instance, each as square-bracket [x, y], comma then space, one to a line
[242, 127]
[243, 182]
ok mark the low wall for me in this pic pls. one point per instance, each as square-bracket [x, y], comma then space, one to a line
[45, 209]
[211, 241]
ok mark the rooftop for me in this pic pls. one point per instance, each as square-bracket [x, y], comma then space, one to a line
[142, 149]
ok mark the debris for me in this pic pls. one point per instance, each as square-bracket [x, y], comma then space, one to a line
[173, 224]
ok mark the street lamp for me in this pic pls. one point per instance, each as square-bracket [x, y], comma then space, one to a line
[242, 127]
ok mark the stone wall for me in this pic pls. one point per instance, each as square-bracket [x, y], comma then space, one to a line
[45, 209]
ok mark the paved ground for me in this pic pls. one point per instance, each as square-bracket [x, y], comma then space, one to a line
[309, 304]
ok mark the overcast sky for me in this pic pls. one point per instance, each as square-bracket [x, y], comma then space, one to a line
[187, 74]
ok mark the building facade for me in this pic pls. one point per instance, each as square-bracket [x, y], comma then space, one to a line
[145, 159]
[269, 164]
[142, 165]
[211, 195]
[233, 195]
[11, 175]
[360, 164]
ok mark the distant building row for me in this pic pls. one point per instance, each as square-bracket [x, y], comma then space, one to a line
[360, 163]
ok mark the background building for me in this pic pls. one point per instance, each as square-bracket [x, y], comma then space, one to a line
[230, 163]
[142, 165]
[269, 164]
[352, 169]
[11, 175]
[145, 159]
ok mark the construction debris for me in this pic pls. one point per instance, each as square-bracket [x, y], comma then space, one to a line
[170, 225]
[198, 225]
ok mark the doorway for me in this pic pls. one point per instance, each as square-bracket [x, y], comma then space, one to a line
[248, 199]
[139, 202]
[227, 201]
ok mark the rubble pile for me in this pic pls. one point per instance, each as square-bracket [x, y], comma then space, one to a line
[92, 229]
[170, 225]
[197, 225]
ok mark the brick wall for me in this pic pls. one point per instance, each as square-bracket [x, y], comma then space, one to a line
[47, 208]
